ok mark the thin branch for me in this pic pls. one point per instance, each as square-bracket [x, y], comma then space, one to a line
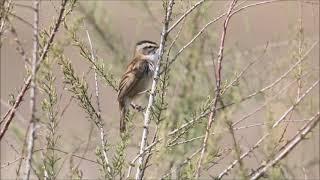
[64, 152]
[288, 147]
[102, 136]
[218, 88]
[105, 35]
[252, 5]
[24, 6]
[300, 48]
[236, 148]
[204, 114]
[198, 34]
[19, 48]
[22, 20]
[232, 165]
[5, 10]
[165, 71]
[95, 76]
[185, 15]
[19, 114]
[246, 68]
[11, 162]
[189, 158]
[27, 83]
[33, 121]
[266, 102]
[145, 132]
[148, 148]
[243, 118]
[272, 84]
[216, 19]
[234, 129]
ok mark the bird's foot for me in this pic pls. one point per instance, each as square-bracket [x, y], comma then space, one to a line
[137, 107]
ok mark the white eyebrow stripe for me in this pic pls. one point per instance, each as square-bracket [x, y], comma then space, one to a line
[146, 45]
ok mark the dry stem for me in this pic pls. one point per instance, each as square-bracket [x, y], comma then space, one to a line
[218, 89]
[164, 35]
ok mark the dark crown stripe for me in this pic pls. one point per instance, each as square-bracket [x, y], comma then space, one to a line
[145, 41]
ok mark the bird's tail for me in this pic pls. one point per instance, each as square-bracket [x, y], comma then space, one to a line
[123, 111]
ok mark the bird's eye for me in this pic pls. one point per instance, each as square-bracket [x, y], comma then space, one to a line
[150, 49]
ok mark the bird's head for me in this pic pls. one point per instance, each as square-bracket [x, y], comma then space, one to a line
[147, 49]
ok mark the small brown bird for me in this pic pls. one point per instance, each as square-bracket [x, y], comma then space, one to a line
[138, 77]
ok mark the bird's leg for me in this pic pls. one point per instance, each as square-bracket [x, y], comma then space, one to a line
[149, 91]
[137, 107]
[142, 92]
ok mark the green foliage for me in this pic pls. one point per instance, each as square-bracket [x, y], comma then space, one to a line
[74, 171]
[119, 158]
[187, 172]
[97, 64]
[104, 165]
[184, 95]
[276, 173]
[79, 89]
[48, 104]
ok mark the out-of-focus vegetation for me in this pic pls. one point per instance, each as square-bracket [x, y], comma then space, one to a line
[269, 90]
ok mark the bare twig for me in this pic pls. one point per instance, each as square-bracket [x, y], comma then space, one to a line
[205, 113]
[244, 117]
[189, 158]
[289, 146]
[64, 152]
[246, 68]
[33, 121]
[22, 20]
[19, 114]
[155, 139]
[236, 148]
[27, 83]
[198, 34]
[164, 35]
[265, 88]
[275, 82]
[11, 162]
[24, 6]
[102, 136]
[252, 5]
[266, 102]
[4, 11]
[105, 35]
[215, 20]
[218, 88]
[19, 48]
[185, 15]
[300, 39]
[232, 165]
[148, 148]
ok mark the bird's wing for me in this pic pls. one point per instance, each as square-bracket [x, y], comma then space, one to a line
[136, 70]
